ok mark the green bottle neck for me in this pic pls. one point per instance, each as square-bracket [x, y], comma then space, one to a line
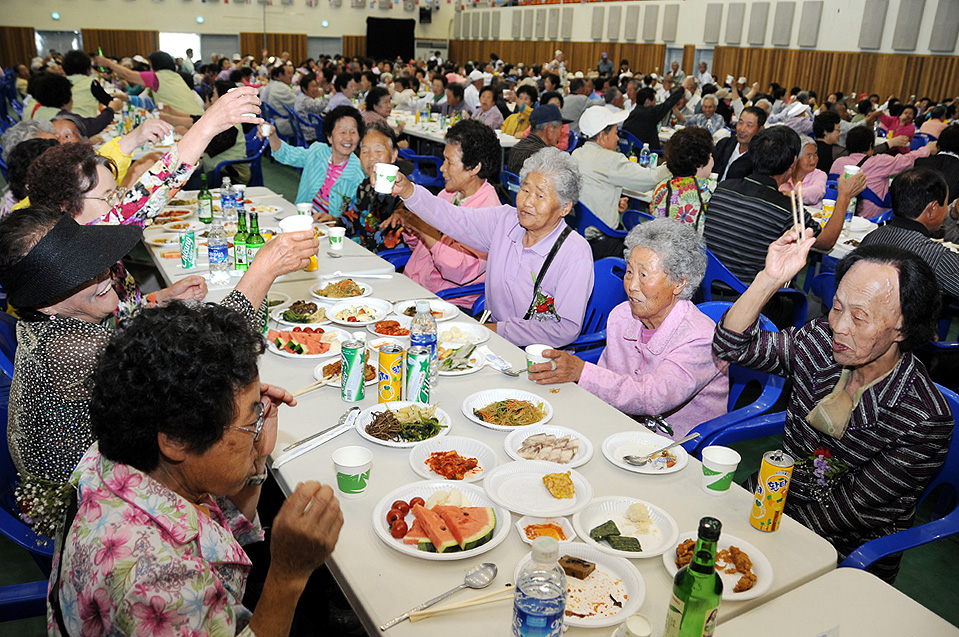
[704, 559]
[254, 223]
[241, 222]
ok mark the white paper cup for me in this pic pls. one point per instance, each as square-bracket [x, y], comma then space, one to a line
[266, 129]
[534, 356]
[296, 223]
[828, 207]
[336, 236]
[352, 466]
[851, 170]
[304, 209]
[719, 466]
[385, 178]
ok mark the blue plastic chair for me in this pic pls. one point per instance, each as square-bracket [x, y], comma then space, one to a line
[824, 286]
[8, 344]
[632, 218]
[467, 290]
[255, 148]
[717, 272]
[608, 292]
[418, 176]
[921, 139]
[317, 123]
[298, 123]
[573, 141]
[582, 218]
[3, 164]
[273, 116]
[510, 182]
[882, 218]
[397, 257]
[872, 197]
[625, 139]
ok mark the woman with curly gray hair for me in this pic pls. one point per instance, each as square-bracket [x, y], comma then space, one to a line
[539, 274]
[658, 359]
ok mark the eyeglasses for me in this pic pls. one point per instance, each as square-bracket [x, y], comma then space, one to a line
[256, 427]
[112, 198]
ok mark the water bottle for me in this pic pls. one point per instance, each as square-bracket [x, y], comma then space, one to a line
[539, 599]
[423, 334]
[218, 252]
[227, 201]
[644, 156]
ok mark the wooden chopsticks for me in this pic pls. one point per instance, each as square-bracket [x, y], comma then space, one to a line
[312, 386]
[488, 598]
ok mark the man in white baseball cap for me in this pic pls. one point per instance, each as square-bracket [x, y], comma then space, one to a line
[605, 172]
[471, 94]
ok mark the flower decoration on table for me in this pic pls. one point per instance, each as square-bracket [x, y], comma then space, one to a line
[43, 503]
[825, 470]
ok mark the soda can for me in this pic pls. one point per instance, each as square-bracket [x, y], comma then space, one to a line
[418, 374]
[352, 377]
[390, 373]
[770, 496]
[187, 249]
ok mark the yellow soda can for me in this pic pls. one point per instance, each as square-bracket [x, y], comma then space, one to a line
[770, 496]
[390, 373]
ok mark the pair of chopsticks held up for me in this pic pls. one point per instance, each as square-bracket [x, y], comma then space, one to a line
[795, 198]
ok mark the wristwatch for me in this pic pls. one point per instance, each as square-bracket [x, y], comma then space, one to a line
[257, 480]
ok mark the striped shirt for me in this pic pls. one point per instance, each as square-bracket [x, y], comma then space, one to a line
[745, 216]
[913, 236]
[895, 444]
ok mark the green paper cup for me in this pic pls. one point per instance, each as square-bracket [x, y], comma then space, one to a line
[719, 467]
[352, 466]
[385, 178]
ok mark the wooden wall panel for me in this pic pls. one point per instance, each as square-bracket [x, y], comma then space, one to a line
[828, 71]
[17, 46]
[689, 59]
[277, 43]
[354, 45]
[122, 43]
[579, 55]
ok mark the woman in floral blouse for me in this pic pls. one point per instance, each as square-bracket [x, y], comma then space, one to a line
[167, 497]
[689, 157]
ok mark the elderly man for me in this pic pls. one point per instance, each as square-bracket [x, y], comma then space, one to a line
[703, 77]
[946, 161]
[643, 121]
[546, 124]
[471, 92]
[278, 93]
[576, 102]
[605, 172]
[708, 118]
[605, 66]
[730, 157]
[665, 88]
[678, 75]
[613, 98]
[455, 102]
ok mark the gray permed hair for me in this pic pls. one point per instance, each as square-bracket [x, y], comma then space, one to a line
[27, 129]
[711, 96]
[560, 168]
[805, 140]
[681, 251]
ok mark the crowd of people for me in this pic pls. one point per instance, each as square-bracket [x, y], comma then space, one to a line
[188, 469]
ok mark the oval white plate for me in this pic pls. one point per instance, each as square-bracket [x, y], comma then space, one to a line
[261, 209]
[448, 310]
[404, 322]
[424, 490]
[519, 487]
[616, 566]
[466, 447]
[277, 299]
[761, 566]
[366, 416]
[169, 214]
[381, 308]
[334, 350]
[477, 362]
[614, 508]
[483, 398]
[164, 240]
[318, 374]
[640, 443]
[475, 332]
[515, 440]
[277, 315]
[526, 520]
[189, 225]
[367, 290]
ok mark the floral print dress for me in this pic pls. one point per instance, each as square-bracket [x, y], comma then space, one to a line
[682, 198]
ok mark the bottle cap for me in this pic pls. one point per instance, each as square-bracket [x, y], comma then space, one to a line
[359, 336]
[709, 529]
[422, 306]
[545, 550]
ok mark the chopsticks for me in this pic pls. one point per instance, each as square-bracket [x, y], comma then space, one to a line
[797, 207]
[482, 600]
[312, 386]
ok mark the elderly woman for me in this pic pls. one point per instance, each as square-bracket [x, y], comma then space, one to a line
[658, 359]
[539, 273]
[51, 95]
[17, 165]
[806, 173]
[689, 157]
[471, 159]
[165, 84]
[863, 406]
[486, 112]
[526, 97]
[378, 108]
[331, 172]
[167, 496]
[900, 123]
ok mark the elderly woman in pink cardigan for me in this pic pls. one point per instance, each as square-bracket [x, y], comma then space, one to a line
[658, 359]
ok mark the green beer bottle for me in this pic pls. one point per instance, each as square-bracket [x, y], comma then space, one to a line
[204, 200]
[697, 588]
[240, 260]
[254, 240]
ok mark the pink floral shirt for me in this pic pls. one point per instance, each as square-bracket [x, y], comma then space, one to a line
[140, 560]
[151, 192]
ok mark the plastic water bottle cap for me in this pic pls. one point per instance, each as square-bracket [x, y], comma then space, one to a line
[545, 550]
[359, 336]
[422, 306]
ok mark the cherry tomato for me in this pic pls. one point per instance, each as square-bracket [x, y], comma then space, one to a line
[399, 529]
[393, 516]
[401, 506]
[419, 501]
[351, 319]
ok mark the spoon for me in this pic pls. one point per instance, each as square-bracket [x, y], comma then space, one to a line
[478, 577]
[638, 461]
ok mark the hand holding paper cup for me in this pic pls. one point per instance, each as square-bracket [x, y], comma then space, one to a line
[719, 467]
[534, 356]
[296, 223]
[352, 466]
[385, 178]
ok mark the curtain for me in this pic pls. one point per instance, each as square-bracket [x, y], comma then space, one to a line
[17, 45]
[121, 43]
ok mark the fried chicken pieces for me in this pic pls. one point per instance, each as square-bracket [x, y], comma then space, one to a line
[731, 560]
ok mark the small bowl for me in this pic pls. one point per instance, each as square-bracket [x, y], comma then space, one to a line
[526, 520]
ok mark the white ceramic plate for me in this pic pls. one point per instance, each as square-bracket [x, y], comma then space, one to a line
[184, 225]
[484, 398]
[164, 240]
[366, 417]
[425, 489]
[476, 363]
[466, 447]
[660, 540]
[761, 566]
[515, 440]
[616, 567]
[404, 322]
[860, 225]
[334, 350]
[640, 443]
[563, 523]
[380, 308]
[315, 290]
[169, 214]
[519, 487]
[261, 209]
[447, 310]
[471, 332]
[277, 299]
[277, 315]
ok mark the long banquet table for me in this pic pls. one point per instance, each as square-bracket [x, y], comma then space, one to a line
[382, 583]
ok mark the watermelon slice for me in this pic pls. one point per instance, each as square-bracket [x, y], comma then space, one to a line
[316, 347]
[436, 529]
[417, 536]
[470, 526]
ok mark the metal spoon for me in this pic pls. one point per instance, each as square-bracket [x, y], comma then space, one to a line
[638, 461]
[479, 577]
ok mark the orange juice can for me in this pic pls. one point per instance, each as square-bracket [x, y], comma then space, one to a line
[390, 373]
[770, 496]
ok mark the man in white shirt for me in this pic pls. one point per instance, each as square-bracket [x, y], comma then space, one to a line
[703, 77]
[187, 64]
[471, 93]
